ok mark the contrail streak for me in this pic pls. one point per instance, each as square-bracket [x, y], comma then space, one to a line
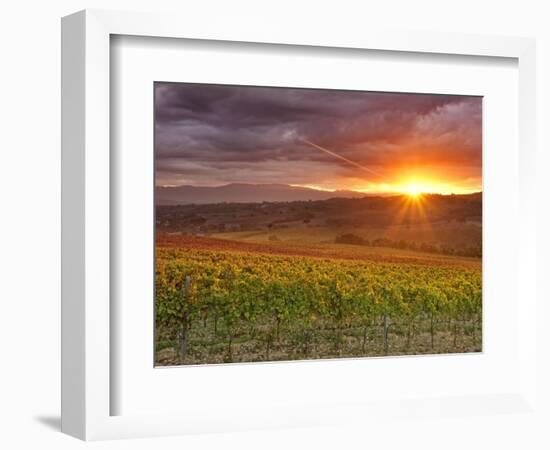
[336, 155]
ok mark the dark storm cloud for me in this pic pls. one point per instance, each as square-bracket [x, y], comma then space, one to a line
[216, 131]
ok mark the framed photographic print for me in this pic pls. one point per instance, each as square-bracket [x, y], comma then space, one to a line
[265, 229]
[314, 224]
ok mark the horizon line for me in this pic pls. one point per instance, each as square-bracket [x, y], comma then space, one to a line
[334, 191]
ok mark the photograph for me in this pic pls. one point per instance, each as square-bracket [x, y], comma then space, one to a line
[298, 223]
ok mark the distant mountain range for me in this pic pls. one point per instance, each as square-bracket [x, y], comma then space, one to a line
[244, 193]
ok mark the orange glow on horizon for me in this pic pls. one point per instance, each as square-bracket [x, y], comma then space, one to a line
[413, 187]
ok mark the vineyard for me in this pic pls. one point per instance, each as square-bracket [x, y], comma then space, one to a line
[216, 304]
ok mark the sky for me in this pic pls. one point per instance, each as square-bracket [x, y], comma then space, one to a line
[212, 135]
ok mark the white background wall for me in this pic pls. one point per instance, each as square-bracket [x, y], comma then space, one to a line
[30, 198]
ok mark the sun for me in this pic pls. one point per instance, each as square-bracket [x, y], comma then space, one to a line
[413, 190]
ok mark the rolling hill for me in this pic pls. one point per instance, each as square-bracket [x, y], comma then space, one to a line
[243, 193]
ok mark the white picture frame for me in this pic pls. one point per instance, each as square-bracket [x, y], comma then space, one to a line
[87, 384]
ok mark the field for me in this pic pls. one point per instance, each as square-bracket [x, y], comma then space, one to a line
[243, 297]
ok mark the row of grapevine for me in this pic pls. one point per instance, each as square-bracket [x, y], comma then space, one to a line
[265, 296]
